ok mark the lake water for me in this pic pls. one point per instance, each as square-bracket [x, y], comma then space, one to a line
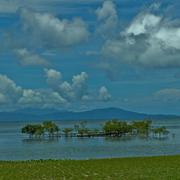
[15, 146]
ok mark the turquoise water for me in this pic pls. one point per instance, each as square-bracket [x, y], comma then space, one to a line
[15, 146]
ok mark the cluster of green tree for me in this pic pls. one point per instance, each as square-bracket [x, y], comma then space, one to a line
[82, 131]
[39, 130]
[110, 128]
[117, 128]
[68, 131]
[120, 128]
[142, 127]
[51, 129]
[160, 131]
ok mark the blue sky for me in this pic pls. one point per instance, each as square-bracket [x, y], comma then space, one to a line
[87, 54]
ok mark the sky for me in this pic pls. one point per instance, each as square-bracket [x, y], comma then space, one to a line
[87, 54]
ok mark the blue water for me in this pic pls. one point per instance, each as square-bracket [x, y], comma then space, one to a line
[16, 146]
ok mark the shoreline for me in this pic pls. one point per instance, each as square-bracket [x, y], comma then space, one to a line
[89, 159]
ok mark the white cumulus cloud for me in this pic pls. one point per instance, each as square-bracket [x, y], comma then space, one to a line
[104, 94]
[74, 90]
[143, 23]
[16, 96]
[53, 32]
[108, 18]
[28, 58]
[53, 77]
[35, 98]
[9, 91]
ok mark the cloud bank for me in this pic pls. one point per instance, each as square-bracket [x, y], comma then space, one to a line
[77, 89]
[149, 41]
[60, 94]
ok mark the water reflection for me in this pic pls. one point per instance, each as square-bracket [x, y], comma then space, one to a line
[39, 140]
[165, 138]
[86, 139]
[115, 139]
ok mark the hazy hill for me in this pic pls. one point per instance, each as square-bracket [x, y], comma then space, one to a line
[107, 113]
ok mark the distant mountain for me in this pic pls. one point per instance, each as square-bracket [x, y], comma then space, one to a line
[97, 114]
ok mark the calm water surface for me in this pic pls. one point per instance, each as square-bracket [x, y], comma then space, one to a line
[15, 146]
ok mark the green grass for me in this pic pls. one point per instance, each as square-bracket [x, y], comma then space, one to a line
[148, 168]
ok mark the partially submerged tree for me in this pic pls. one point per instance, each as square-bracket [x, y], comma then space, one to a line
[67, 131]
[50, 127]
[160, 131]
[142, 127]
[117, 128]
[38, 130]
[83, 131]
[81, 128]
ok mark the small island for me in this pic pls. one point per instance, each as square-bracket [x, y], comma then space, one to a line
[111, 128]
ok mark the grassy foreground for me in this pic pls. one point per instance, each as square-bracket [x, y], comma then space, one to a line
[150, 168]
